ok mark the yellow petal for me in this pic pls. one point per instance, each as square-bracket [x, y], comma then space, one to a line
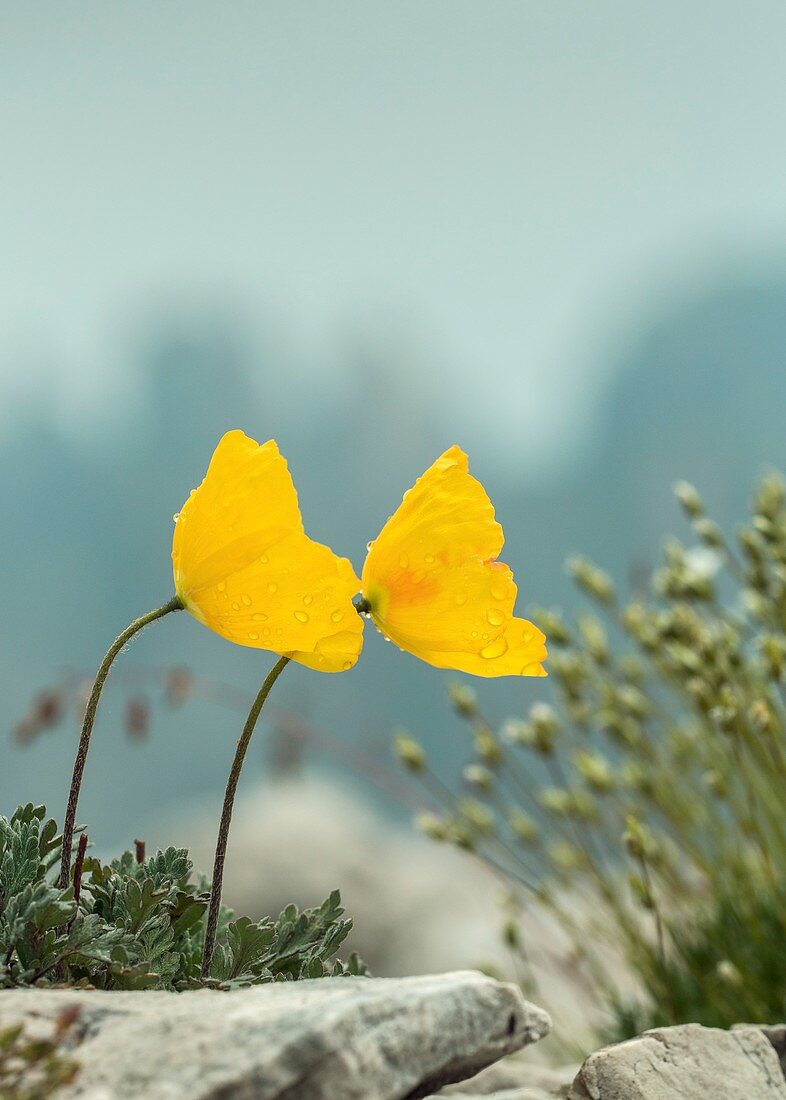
[337, 653]
[518, 651]
[244, 567]
[434, 583]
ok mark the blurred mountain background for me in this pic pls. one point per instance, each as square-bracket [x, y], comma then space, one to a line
[553, 233]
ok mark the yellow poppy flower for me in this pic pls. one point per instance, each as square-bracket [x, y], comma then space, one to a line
[244, 567]
[432, 583]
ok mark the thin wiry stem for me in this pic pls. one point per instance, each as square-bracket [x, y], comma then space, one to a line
[174, 604]
[226, 813]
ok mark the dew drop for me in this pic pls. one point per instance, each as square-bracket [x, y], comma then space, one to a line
[337, 616]
[460, 598]
[403, 561]
[259, 617]
[222, 586]
[301, 616]
[499, 588]
[428, 559]
[272, 587]
[369, 545]
[253, 635]
[495, 616]
[346, 666]
[235, 606]
[494, 649]
[307, 600]
[264, 559]
[246, 599]
[176, 517]
[266, 631]
[474, 633]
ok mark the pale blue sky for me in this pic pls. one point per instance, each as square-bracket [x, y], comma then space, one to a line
[516, 185]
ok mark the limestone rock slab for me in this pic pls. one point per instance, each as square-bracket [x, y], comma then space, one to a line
[354, 1038]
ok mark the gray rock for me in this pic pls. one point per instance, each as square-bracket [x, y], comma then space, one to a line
[509, 1095]
[689, 1062]
[776, 1033]
[515, 1079]
[353, 1038]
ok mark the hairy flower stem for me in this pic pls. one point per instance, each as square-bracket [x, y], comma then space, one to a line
[226, 813]
[174, 604]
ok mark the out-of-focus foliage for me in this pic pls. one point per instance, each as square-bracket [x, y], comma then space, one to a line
[645, 806]
[36, 1067]
[138, 923]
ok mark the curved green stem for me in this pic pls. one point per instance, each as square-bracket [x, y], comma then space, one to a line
[226, 813]
[174, 604]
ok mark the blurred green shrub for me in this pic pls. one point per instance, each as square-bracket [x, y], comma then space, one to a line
[138, 923]
[647, 805]
[36, 1067]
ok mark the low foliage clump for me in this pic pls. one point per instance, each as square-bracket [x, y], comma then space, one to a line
[138, 923]
[36, 1067]
[652, 787]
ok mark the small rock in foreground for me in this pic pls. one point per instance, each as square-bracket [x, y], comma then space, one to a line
[688, 1061]
[776, 1033]
[354, 1038]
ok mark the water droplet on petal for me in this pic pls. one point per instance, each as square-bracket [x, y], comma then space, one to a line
[337, 616]
[346, 666]
[264, 559]
[301, 616]
[500, 588]
[235, 606]
[495, 616]
[222, 586]
[369, 545]
[176, 517]
[495, 649]
[246, 599]
[272, 587]
[428, 559]
[460, 598]
[403, 561]
[474, 633]
[307, 600]
[259, 617]
[253, 635]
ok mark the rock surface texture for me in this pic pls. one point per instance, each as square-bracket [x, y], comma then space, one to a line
[776, 1033]
[347, 1038]
[688, 1062]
